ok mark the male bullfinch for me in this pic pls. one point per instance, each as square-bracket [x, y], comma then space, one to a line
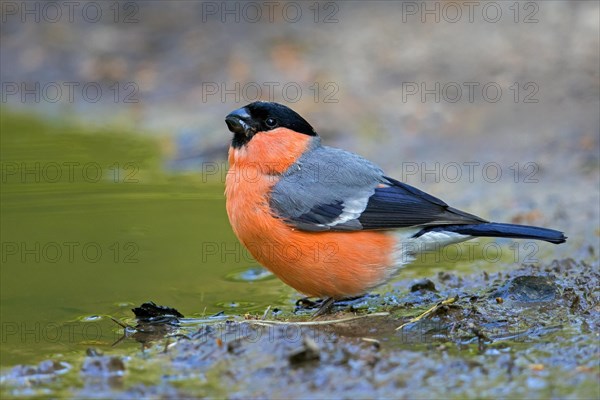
[327, 222]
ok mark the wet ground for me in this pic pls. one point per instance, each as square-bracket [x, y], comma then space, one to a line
[522, 325]
[528, 333]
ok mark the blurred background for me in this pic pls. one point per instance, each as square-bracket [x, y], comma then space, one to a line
[113, 144]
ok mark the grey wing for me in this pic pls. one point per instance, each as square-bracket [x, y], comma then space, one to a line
[331, 189]
[327, 189]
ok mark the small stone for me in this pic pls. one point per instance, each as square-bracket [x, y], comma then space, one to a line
[424, 285]
[103, 366]
[309, 352]
[527, 289]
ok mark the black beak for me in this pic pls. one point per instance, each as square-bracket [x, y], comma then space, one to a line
[240, 122]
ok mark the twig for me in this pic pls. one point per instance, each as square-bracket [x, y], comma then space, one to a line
[266, 312]
[313, 323]
[430, 311]
[121, 324]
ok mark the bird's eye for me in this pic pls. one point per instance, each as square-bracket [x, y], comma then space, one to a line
[271, 122]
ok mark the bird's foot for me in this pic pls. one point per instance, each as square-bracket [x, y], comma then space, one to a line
[324, 308]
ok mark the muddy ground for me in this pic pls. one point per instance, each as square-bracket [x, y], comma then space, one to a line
[528, 333]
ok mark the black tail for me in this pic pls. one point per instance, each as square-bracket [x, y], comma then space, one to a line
[495, 229]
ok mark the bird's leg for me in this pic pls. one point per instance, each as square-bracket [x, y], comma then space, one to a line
[324, 308]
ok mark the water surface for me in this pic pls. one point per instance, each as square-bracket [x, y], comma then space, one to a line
[92, 226]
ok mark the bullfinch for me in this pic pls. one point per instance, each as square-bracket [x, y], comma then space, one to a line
[328, 222]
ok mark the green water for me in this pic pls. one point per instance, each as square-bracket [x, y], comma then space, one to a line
[91, 226]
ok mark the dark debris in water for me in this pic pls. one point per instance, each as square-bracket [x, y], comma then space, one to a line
[151, 313]
[154, 323]
[541, 341]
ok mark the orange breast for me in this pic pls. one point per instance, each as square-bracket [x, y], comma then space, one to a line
[324, 264]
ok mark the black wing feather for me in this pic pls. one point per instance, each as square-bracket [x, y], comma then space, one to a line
[400, 206]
